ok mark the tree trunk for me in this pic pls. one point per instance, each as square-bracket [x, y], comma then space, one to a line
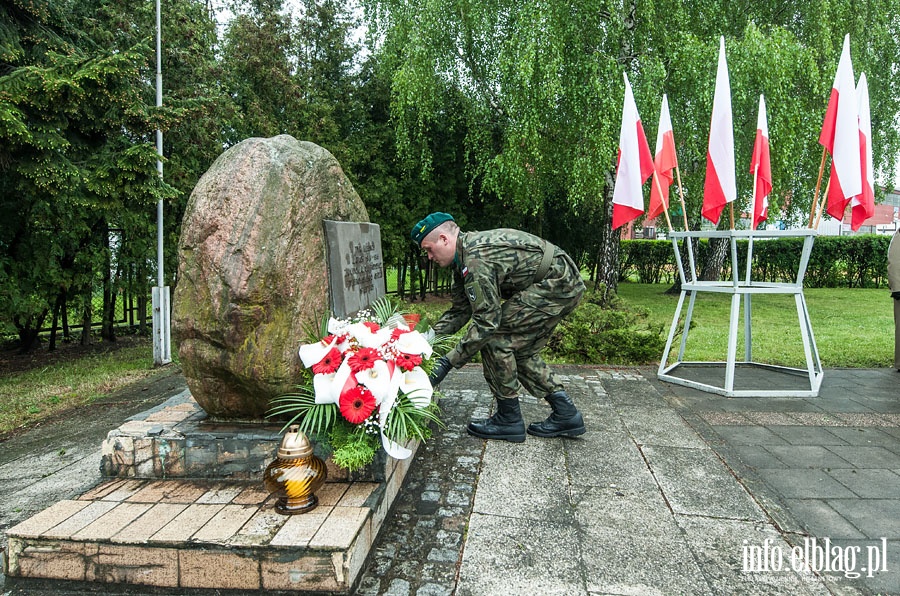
[107, 328]
[57, 306]
[67, 332]
[715, 256]
[422, 275]
[606, 281]
[142, 299]
[86, 316]
[412, 273]
[29, 331]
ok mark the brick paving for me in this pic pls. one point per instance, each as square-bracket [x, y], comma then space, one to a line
[420, 549]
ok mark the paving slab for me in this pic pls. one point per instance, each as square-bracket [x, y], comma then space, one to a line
[608, 459]
[695, 482]
[820, 519]
[650, 425]
[830, 473]
[875, 518]
[723, 550]
[809, 456]
[528, 482]
[514, 555]
[619, 560]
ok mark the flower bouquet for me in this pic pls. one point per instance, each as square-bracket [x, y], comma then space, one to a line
[365, 385]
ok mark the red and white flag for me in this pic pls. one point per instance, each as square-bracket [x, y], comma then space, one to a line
[862, 206]
[840, 137]
[664, 162]
[635, 164]
[720, 187]
[761, 167]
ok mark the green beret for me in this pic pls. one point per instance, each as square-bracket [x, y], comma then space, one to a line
[424, 227]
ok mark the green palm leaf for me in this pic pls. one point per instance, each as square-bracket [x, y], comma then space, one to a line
[302, 408]
[408, 421]
[383, 308]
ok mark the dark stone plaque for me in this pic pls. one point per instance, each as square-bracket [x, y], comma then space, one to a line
[355, 265]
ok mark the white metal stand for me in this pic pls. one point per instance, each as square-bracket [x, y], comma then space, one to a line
[739, 288]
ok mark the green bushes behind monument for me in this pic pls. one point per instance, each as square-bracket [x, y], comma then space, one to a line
[858, 261]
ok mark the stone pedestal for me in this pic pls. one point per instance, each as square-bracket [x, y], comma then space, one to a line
[178, 440]
[185, 507]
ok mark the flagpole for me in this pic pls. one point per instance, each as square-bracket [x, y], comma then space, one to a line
[731, 213]
[822, 206]
[681, 195]
[162, 340]
[815, 203]
[666, 204]
[750, 243]
[753, 199]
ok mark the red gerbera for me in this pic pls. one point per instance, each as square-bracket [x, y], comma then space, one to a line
[397, 332]
[357, 404]
[408, 361]
[329, 363]
[372, 325]
[364, 359]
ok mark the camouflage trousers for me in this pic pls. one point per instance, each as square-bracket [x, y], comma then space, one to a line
[511, 358]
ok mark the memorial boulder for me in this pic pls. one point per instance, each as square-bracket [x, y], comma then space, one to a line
[252, 272]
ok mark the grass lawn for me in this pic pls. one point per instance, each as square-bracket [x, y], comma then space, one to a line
[32, 393]
[852, 327]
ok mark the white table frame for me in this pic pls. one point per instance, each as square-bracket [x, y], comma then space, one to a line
[740, 288]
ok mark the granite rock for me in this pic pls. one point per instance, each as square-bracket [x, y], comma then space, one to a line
[252, 271]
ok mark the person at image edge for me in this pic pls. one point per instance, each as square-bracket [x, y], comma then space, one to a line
[894, 284]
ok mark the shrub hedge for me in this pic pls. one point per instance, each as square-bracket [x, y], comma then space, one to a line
[606, 331]
[858, 261]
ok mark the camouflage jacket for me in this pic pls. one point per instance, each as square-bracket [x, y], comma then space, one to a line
[489, 268]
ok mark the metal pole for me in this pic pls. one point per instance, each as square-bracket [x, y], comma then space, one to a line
[159, 151]
[162, 351]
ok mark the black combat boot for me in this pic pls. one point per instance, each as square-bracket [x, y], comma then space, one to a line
[565, 421]
[506, 424]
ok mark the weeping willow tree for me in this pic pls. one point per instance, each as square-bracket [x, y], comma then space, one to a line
[543, 90]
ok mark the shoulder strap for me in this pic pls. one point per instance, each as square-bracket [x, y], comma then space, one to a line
[546, 261]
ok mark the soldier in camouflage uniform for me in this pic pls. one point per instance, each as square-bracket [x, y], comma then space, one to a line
[515, 288]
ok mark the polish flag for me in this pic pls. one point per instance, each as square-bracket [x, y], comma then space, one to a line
[664, 161]
[720, 187]
[635, 164]
[862, 206]
[840, 137]
[760, 167]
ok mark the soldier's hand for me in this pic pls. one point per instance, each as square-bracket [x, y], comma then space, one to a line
[440, 370]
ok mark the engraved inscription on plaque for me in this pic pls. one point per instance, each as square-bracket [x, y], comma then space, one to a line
[355, 265]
